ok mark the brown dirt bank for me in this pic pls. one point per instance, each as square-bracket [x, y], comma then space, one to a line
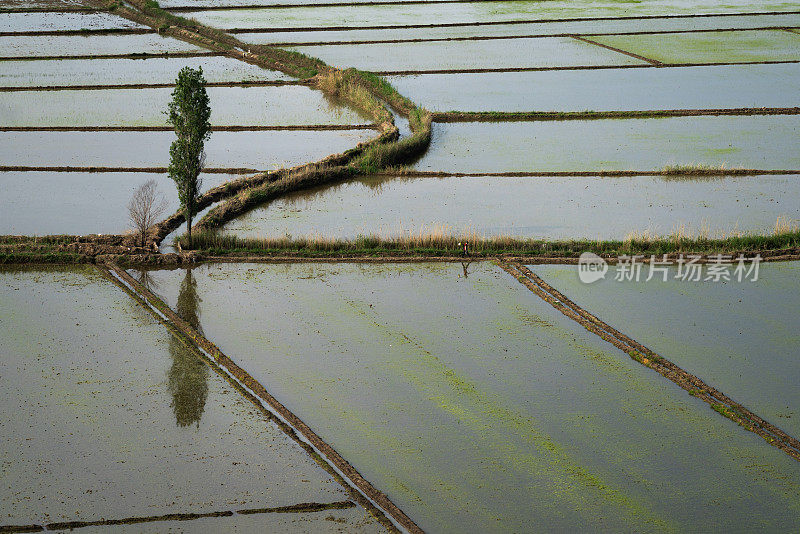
[219, 128]
[159, 170]
[517, 116]
[88, 57]
[87, 32]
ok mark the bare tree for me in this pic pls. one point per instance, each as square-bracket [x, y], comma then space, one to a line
[145, 207]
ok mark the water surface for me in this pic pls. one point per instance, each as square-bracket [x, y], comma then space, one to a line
[264, 150]
[476, 406]
[537, 207]
[290, 105]
[622, 89]
[128, 71]
[504, 53]
[530, 28]
[712, 47]
[766, 142]
[78, 203]
[396, 15]
[105, 415]
[740, 337]
[91, 45]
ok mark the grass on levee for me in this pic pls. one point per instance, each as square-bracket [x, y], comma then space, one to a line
[441, 240]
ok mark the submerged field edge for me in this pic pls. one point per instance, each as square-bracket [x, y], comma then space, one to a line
[97, 87]
[520, 116]
[368, 496]
[217, 128]
[696, 387]
[70, 525]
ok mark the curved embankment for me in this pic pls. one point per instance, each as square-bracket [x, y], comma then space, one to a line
[363, 91]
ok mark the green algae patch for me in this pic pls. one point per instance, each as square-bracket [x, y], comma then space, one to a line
[710, 47]
[719, 332]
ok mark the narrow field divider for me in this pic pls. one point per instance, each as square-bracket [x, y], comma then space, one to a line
[522, 116]
[70, 525]
[89, 87]
[218, 128]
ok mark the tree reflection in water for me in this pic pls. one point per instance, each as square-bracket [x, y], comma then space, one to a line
[188, 376]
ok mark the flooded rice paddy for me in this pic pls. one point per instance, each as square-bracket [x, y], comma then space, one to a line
[465, 12]
[506, 53]
[734, 86]
[126, 420]
[476, 406]
[471, 403]
[540, 207]
[39, 22]
[263, 150]
[553, 27]
[639, 144]
[230, 106]
[712, 47]
[115, 71]
[92, 45]
[742, 337]
[81, 203]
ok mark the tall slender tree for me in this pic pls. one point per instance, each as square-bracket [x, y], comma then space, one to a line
[189, 113]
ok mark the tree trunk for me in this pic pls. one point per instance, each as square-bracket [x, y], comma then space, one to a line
[189, 230]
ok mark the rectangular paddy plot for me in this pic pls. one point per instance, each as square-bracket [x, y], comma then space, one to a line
[634, 144]
[25, 47]
[539, 207]
[478, 407]
[554, 27]
[740, 337]
[712, 47]
[104, 415]
[545, 28]
[467, 12]
[263, 150]
[79, 203]
[128, 71]
[36, 22]
[504, 53]
[735, 86]
[239, 106]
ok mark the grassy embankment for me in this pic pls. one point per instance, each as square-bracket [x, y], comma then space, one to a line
[440, 242]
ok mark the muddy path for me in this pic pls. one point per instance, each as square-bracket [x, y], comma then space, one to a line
[186, 516]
